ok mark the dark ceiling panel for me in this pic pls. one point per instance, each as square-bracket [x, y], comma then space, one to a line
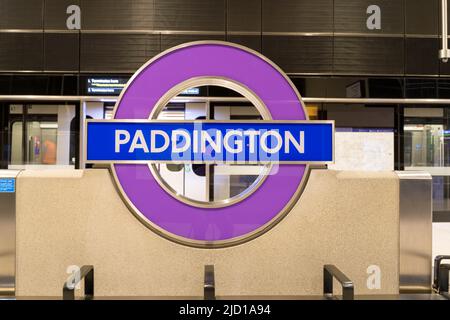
[296, 54]
[422, 56]
[21, 51]
[252, 42]
[117, 52]
[171, 40]
[422, 16]
[117, 15]
[61, 52]
[190, 15]
[244, 15]
[360, 55]
[21, 14]
[297, 16]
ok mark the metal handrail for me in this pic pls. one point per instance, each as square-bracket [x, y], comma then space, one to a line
[441, 274]
[329, 272]
[55, 98]
[444, 53]
[444, 271]
[59, 98]
[432, 101]
[437, 264]
[209, 286]
[86, 273]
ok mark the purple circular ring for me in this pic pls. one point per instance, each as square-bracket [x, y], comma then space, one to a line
[209, 226]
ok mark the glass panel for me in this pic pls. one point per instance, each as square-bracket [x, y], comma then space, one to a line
[424, 145]
[425, 148]
[46, 141]
[15, 139]
[210, 184]
[16, 143]
[42, 142]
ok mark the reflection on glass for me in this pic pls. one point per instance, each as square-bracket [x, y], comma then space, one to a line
[210, 183]
[45, 140]
[424, 145]
[426, 149]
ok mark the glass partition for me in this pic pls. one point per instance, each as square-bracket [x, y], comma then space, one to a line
[379, 136]
[426, 148]
[40, 136]
[210, 184]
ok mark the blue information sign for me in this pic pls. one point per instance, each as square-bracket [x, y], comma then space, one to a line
[210, 141]
[7, 185]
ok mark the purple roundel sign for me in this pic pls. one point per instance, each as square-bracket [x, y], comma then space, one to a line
[209, 226]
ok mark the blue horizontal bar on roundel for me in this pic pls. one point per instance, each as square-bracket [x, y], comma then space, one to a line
[210, 141]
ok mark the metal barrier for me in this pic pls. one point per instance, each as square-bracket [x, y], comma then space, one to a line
[8, 179]
[329, 272]
[415, 204]
[441, 275]
[209, 286]
[444, 270]
[86, 273]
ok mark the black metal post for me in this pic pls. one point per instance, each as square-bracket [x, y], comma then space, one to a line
[444, 270]
[330, 272]
[209, 287]
[437, 271]
[86, 273]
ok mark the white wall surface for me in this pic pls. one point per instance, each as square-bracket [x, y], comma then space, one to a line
[441, 238]
[367, 151]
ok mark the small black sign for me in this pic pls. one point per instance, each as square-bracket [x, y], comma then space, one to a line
[106, 86]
